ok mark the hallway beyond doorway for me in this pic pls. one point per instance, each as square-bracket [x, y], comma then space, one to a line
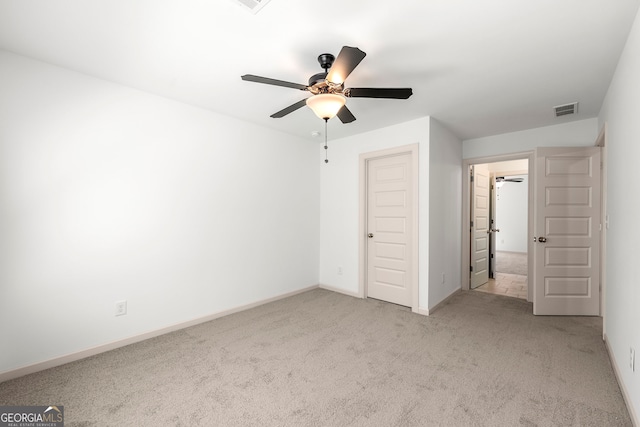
[510, 276]
[511, 285]
[511, 262]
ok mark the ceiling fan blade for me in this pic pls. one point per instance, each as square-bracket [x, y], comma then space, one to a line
[290, 109]
[347, 60]
[392, 93]
[268, 81]
[345, 115]
[503, 179]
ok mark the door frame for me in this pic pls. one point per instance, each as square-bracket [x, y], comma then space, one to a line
[466, 214]
[413, 151]
[601, 141]
[493, 199]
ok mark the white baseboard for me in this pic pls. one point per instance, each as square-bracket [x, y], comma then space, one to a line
[444, 301]
[422, 311]
[419, 310]
[623, 388]
[72, 357]
[340, 291]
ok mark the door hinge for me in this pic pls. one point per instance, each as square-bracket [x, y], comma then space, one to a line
[471, 268]
[471, 178]
[472, 223]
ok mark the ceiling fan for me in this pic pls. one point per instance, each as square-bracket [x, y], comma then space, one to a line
[503, 179]
[327, 88]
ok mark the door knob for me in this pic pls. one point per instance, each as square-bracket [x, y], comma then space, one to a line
[370, 235]
[542, 239]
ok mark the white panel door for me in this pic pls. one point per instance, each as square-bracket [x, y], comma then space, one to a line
[479, 226]
[389, 224]
[567, 230]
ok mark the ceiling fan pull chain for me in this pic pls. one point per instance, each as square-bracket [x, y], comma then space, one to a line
[326, 158]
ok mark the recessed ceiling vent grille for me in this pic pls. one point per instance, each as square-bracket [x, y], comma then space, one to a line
[564, 110]
[253, 5]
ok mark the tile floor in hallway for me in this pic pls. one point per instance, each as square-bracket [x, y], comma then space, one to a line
[511, 285]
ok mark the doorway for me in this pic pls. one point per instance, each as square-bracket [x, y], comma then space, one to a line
[510, 223]
[506, 230]
[564, 228]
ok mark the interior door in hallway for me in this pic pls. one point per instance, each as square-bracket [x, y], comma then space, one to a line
[389, 225]
[492, 226]
[479, 226]
[567, 231]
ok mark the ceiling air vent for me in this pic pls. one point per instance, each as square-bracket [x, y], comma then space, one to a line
[563, 110]
[253, 5]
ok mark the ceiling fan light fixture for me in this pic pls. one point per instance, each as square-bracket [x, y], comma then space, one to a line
[326, 105]
[336, 79]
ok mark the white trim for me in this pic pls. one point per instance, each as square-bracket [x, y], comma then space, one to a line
[466, 214]
[72, 357]
[422, 311]
[601, 142]
[340, 291]
[510, 173]
[444, 301]
[413, 151]
[625, 393]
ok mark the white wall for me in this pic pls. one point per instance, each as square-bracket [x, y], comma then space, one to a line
[108, 193]
[512, 212]
[571, 134]
[445, 213]
[339, 205]
[620, 111]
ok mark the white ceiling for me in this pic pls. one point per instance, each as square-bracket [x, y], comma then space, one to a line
[480, 67]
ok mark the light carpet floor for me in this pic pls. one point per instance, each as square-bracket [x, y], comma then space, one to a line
[325, 359]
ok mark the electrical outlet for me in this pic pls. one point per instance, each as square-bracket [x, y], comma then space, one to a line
[121, 308]
[632, 359]
[443, 278]
[339, 271]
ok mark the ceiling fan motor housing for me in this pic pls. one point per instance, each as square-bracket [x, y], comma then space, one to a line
[318, 82]
[326, 60]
